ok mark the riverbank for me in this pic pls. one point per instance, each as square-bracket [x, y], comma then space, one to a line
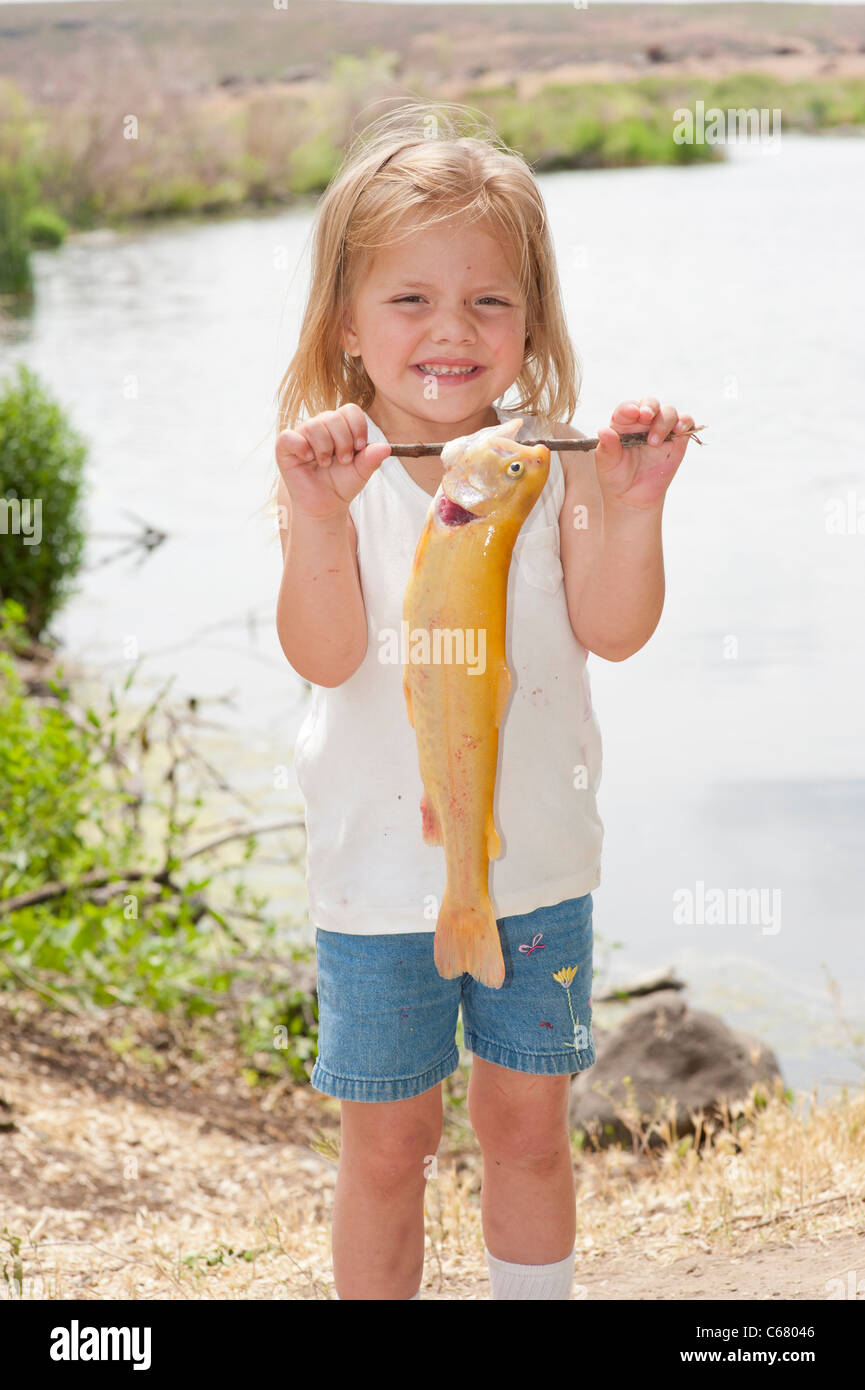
[100, 900]
[147, 1156]
[155, 113]
[139, 1163]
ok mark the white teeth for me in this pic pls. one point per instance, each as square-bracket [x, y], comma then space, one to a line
[445, 371]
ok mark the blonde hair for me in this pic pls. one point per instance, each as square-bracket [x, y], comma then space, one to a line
[404, 172]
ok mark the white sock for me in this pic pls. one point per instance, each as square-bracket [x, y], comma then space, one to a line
[408, 1300]
[512, 1281]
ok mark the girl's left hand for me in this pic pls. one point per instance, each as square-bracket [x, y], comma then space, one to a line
[639, 477]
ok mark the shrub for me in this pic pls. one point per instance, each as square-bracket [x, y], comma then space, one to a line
[41, 483]
[89, 917]
[45, 227]
[51, 790]
[16, 277]
[21, 133]
[313, 165]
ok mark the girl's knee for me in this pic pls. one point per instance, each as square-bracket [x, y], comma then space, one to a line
[524, 1120]
[522, 1144]
[391, 1142]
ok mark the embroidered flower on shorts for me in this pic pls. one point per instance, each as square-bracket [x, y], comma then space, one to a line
[565, 977]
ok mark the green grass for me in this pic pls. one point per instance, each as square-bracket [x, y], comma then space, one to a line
[106, 895]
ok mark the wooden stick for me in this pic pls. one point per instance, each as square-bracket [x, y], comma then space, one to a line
[629, 441]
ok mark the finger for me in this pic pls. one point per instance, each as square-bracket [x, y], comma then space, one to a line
[319, 440]
[319, 434]
[626, 414]
[356, 420]
[684, 423]
[649, 406]
[292, 449]
[341, 433]
[369, 458]
[609, 450]
[662, 424]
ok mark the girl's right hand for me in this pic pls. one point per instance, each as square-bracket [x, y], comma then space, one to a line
[326, 461]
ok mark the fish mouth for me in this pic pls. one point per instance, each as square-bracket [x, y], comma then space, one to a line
[451, 513]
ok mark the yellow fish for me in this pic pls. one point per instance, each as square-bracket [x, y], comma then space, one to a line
[456, 679]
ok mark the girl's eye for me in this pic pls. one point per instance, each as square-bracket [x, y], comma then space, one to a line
[406, 298]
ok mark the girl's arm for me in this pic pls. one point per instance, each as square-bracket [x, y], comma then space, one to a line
[320, 613]
[610, 524]
[614, 569]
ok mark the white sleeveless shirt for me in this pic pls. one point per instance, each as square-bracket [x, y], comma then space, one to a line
[368, 868]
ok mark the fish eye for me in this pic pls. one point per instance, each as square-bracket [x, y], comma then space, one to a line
[516, 468]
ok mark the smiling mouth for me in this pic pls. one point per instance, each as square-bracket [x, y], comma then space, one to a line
[447, 373]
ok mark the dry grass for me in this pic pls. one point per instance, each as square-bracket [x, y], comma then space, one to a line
[137, 1164]
[771, 1172]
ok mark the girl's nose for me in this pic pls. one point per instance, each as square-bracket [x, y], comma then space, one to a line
[453, 333]
[453, 325]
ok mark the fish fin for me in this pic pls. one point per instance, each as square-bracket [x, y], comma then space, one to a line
[406, 690]
[494, 844]
[467, 939]
[502, 694]
[509, 430]
[432, 831]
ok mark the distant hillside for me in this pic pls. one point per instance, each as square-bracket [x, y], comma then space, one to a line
[231, 42]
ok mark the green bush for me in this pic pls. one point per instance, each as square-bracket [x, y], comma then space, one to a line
[746, 90]
[45, 227]
[21, 134]
[50, 786]
[64, 820]
[88, 917]
[591, 126]
[16, 277]
[41, 482]
[313, 164]
[586, 135]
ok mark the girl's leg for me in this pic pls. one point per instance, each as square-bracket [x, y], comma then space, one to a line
[378, 1209]
[528, 1203]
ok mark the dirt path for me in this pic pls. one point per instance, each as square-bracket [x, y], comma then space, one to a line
[799, 1271]
[123, 1176]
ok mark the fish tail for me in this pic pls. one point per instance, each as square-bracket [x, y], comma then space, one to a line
[467, 939]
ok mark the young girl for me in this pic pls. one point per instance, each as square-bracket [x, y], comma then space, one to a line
[434, 290]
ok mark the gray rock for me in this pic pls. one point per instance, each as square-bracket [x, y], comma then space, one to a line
[653, 983]
[670, 1052]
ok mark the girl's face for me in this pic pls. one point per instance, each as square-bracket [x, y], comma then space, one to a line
[447, 296]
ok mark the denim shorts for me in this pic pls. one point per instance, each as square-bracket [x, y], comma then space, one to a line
[387, 1019]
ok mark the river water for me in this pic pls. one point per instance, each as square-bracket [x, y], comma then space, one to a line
[733, 742]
